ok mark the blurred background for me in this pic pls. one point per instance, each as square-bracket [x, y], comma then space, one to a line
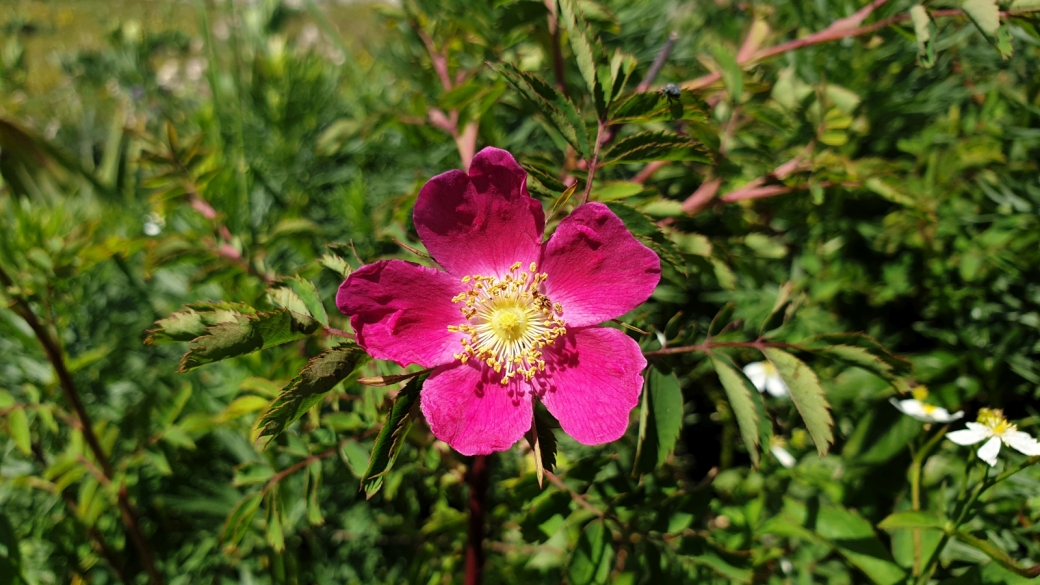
[159, 153]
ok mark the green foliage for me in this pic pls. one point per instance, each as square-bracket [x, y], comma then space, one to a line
[862, 212]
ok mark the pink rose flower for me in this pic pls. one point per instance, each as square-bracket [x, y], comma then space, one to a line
[511, 318]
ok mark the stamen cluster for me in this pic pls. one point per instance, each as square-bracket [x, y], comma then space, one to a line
[509, 322]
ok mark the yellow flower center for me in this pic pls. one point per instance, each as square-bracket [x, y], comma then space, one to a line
[920, 393]
[994, 419]
[928, 408]
[508, 322]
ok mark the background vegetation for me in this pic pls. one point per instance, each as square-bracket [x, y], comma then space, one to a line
[878, 176]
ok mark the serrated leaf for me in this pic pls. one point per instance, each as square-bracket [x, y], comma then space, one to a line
[543, 444]
[247, 334]
[863, 351]
[18, 425]
[658, 106]
[593, 557]
[544, 177]
[656, 146]
[191, 323]
[388, 442]
[746, 402]
[807, 395]
[912, 519]
[335, 264]
[557, 109]
[645, 230]
[577, 34]
[660, 420]
[308, 294]
[985, 15]
[320, 376]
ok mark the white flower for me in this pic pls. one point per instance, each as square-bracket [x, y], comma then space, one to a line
[783, 456]
[917, 408]
[765, 377]
[993, 426]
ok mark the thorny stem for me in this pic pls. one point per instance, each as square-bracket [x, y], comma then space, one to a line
[835, 33]
[600, 135]
[52, 348]
[477, 480]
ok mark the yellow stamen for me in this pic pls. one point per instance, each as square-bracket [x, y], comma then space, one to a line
[509, 322]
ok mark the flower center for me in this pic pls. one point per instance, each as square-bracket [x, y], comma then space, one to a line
[994, 419]
[508, 322]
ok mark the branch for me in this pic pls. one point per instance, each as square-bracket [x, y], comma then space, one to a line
[832, 33]
[477, 478]
[659, 61]
[600, 138]
[707, 346]
[52, 348]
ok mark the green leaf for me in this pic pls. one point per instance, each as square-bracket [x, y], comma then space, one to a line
[656, 146]
[862, 351]
[18, 425]
[577, 34]
[696, 551]
[779, 311]
[985, 15]
[391, 436]
[320, 376]
[732, 76]
[807, 395]
[562, 200]
[306, 295]
[247, 334]
[543, 444]
[747, 405]
[356, 457]
[593, 557]
[313, 488]
[926, 32]
[556, 108]
[912, 519]
[275, 532]
[191, 323]
[660, 420]
[854, 538]
[722, 319]
[10, 554]
[240, 520]
[657, 106]
[645, 230]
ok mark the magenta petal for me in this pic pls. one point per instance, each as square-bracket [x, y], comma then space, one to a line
[401, 312]
[470, 410]
[483, 222]
[597, 269]
[593, 380]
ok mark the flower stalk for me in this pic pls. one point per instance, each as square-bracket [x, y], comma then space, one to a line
[477, 480]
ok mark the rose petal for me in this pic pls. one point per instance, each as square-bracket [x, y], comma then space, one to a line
[470, 410]
[597, 269]
[592, 381]
[989, 451]
[483, 222]
[401, 312]
[971, 435]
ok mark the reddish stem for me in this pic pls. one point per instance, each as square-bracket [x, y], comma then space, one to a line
[477, 479]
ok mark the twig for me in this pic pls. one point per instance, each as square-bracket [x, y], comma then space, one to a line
[52, 348]
[600, 136]
[659, 61]
[298, 466]
[477, 479]
[648, 171]
[578, 498]
[831, 33]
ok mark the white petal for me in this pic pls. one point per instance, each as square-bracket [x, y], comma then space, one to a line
[941, 415]
[1022, 443]
[989, 451]
[776, 386]
[781, 454]
[956, 416]
[756, 372]
[970, 436]
[912, 408]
